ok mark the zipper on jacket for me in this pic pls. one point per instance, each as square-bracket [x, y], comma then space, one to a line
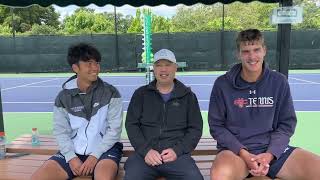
[87, 138]
[163, 122]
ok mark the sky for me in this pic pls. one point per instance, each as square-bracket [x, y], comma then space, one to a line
[162, 10]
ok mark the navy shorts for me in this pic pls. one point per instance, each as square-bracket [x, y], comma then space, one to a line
[115, 154]
[276, 164]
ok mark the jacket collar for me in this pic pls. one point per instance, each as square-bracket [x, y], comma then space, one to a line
[72, 87]
[179, 89]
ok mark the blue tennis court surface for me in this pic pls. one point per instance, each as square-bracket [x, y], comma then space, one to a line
[37, 94]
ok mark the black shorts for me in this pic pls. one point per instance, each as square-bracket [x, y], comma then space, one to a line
[115, 154]
[276, 164]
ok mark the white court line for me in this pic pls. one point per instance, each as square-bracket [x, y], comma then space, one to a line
[123, 111]
[300, 100]
[137, 85]
[304, 83]
[199, 84]
[49, 86]
[142, 76]
[29, 84]
[30, 102]
[205, 76]
[17, 102]
[59, 86]
[305, 80]
[43, 102]
[117, 85]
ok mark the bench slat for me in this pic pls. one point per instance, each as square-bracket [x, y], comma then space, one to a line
[49, 146]
[22, 167]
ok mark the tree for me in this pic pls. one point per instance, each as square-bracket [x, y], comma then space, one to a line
[43, 30]
[102, 24]
[136, 24]
[252, 15]
[85, 20]
[311, 19]
[160, 24]
[13, 21]
[196, 18]
[123, 22]
[24, 18]
[5, 30]
[209, 18]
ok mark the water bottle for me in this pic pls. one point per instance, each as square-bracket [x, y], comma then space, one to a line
[35, 141]
[2, 145]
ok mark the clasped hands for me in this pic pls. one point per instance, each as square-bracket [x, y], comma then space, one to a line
[80, 168]
[258, 164]
[154, 158]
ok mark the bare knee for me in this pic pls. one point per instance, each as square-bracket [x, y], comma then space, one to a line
[105, 170]
[49, 170]
[221, 172]
[228, 165]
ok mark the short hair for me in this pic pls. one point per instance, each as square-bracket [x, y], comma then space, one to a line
[82, 52]
[249, 36]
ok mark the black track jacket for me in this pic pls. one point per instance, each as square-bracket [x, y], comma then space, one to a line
[152, 123]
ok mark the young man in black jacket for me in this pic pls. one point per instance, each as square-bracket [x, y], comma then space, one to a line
[164, 125]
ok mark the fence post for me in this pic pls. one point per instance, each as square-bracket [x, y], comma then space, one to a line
[1, 115]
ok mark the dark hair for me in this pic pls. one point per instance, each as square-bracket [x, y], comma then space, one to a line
[82, 52]
[249, 36]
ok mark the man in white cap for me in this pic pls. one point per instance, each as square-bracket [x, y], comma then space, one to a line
[164, 125]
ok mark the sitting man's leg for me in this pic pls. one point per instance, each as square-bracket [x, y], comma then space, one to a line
[228, 165]
[183, 168]
[108, 164]
[136, 168]
[56, 168]
[299, 165]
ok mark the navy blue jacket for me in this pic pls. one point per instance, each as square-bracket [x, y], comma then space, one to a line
[256, 116]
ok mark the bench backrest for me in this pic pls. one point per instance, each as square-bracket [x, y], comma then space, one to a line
[49, 146]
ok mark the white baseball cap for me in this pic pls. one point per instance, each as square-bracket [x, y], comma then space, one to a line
[164, 54]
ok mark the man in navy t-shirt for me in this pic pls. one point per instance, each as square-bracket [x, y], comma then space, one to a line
[251, 115]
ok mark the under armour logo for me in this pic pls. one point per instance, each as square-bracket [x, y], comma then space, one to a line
[286, 150]
[112, 156]
[252, 91]
[96, 104]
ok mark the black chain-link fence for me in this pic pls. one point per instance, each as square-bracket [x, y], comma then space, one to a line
[200, 50]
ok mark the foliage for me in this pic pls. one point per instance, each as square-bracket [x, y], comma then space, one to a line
[311, 16]
[136, 24]
[196, 18]
[123, 22]
[43, 30]
[85, 20]
[22, 19]
[5, 30]
[160, 24]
